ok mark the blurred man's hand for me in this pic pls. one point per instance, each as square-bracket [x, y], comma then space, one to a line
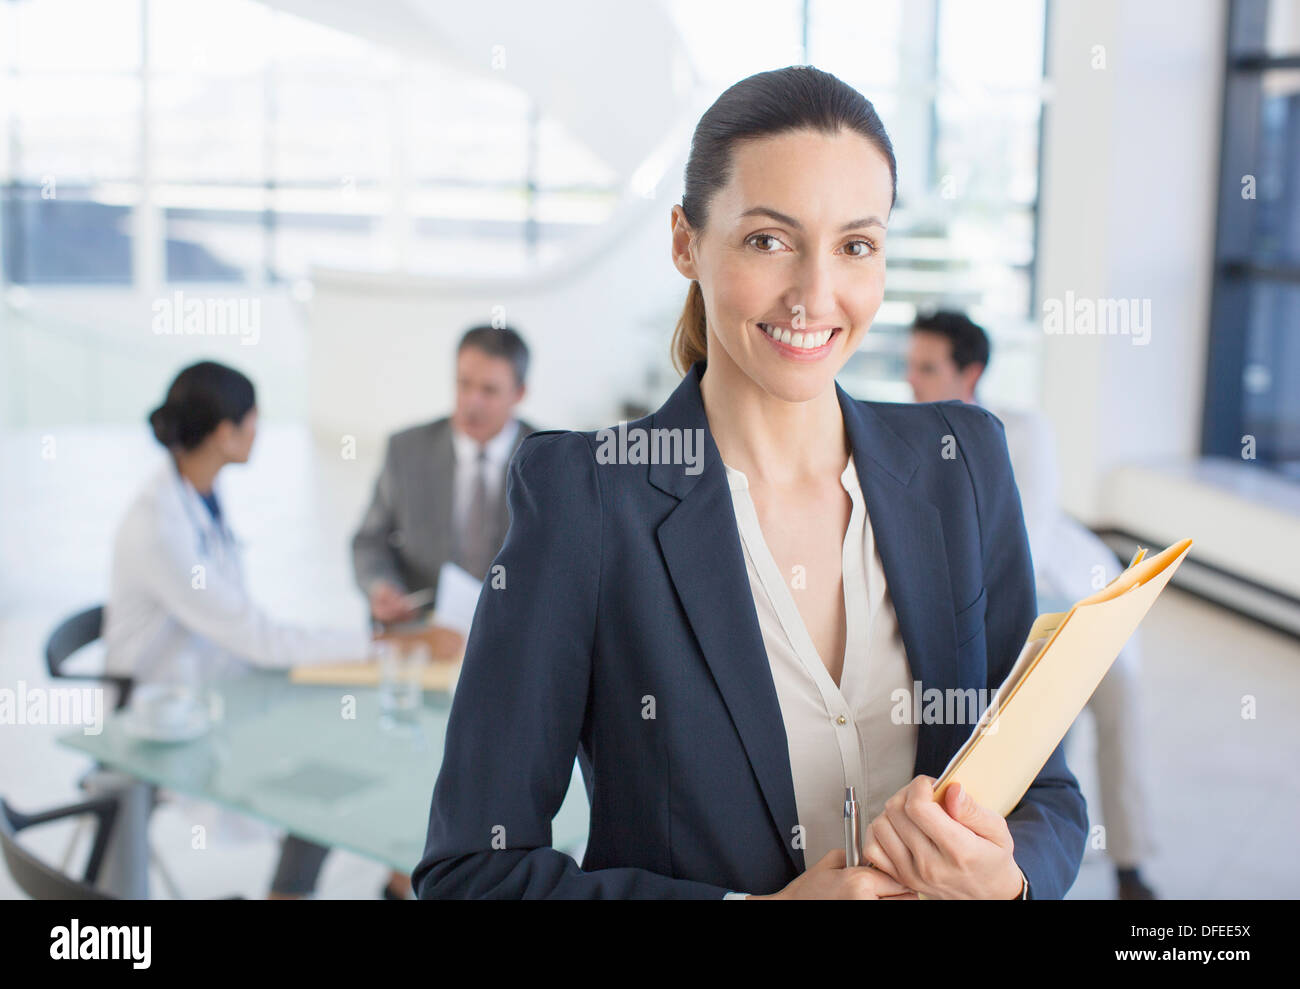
[388, 603]
[442, 643]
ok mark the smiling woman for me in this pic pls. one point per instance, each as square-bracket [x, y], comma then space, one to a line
[770, 125]
[795, 272]
[721, 641]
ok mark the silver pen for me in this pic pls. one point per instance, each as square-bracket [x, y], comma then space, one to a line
[852, 829]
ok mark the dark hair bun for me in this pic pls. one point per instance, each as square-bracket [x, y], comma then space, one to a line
[203, 396]
[164, 425]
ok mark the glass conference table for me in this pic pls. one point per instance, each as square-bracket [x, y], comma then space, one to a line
[285, 753]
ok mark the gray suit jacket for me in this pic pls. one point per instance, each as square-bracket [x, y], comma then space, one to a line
[406, 534]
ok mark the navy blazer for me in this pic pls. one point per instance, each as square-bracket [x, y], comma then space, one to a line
[624, 582]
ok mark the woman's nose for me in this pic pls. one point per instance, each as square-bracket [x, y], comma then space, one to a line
[815, 291]
[817, 276]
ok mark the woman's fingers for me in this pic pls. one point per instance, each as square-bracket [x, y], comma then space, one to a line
[887, 852]
[912, 834]
[873, 854]
[881, 884]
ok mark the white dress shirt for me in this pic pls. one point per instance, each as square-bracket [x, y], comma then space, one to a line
[466, 451]
[837, 735]
[178, 610]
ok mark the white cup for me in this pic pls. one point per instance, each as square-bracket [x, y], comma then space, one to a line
[166, 707]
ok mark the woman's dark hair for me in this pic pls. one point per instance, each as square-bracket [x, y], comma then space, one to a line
[203, 396]
[797, 97]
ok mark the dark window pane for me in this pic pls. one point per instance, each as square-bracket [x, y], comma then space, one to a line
[1254, 347]
[1265, 27]
[206, 245]
[1270, 398]
[70, 238]
[1277, 225]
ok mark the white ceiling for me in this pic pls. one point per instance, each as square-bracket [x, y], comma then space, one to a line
[616, 74]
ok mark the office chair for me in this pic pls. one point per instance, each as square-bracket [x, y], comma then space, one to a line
[69, 637]
[34, 877]
[72, 635]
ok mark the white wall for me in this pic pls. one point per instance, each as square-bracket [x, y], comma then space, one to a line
[72, 355]
[382, 346]
[1130, 163]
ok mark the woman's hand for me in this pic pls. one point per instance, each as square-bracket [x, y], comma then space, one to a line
[828, 879]
[957, 850]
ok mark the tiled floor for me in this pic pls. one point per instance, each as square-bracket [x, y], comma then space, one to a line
[1225, 790]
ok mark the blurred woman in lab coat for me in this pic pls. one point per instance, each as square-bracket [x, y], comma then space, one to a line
[178, 609]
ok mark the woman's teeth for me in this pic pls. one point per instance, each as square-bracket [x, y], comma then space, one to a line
[807, 341]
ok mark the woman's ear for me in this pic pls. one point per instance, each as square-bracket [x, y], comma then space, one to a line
[683, 239]
[226, 437]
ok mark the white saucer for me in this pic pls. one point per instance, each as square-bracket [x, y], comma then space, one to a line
[194, 727]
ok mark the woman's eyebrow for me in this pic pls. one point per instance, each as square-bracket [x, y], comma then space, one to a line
[790, 221]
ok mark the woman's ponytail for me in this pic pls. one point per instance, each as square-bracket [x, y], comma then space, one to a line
[690, 339]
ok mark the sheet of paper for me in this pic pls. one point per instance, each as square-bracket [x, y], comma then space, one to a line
[418, 599]
[457, 598]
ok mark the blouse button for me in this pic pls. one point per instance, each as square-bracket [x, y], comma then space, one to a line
[841, 720]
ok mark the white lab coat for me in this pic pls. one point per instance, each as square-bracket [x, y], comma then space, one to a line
[178, 610]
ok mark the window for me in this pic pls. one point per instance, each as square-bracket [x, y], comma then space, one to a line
[243, 144]
[1252, 407]
[251, 144]
[71, 164]
[959, 87]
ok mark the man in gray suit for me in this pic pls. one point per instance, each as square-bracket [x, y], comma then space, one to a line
[441, 494]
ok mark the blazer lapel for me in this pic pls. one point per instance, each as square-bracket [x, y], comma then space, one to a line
[502, 520]
[705, 561]
[701, 547]
[909, 537]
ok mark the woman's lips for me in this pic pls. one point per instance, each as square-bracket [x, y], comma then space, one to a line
[801, 345]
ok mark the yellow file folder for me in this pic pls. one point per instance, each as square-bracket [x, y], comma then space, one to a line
[1064, 659]
[438, 676]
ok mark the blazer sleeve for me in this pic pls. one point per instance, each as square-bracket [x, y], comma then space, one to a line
[372, 552]
[521, 700]
[1050, 824]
